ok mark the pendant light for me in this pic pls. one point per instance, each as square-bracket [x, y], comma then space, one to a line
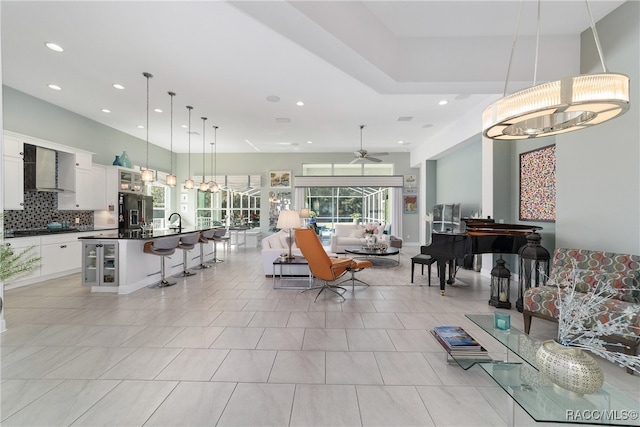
[188, 183]
[147, 175]
[561, 106]
[171, 178]
[203, 185]
[213, 185]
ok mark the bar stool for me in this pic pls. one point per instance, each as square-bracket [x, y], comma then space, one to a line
[205, 237]
[187, 242]
[163, 247]
[219, 235]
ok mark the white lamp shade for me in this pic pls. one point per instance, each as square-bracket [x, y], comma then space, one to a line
[147, 175]
[171, 180]
[288, 220]
[188, 184]
[304, 213]
[204, 186]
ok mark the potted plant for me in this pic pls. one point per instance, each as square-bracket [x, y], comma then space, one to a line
[12, 263]
[356, 217]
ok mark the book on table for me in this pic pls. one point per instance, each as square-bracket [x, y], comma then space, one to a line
[457, 341]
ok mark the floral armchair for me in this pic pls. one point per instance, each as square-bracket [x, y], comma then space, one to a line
[621, 271]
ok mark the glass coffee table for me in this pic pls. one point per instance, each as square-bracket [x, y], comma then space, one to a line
[373, 253]
[519, 377]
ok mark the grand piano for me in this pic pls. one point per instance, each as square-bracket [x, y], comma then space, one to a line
[480, 237]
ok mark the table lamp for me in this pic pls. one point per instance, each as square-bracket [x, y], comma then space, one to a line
[305, 214]
[289, 220]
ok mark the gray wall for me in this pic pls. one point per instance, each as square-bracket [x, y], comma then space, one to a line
[459, 178]
[597, 169]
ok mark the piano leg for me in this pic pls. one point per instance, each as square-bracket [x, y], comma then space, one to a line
[452, 269]
[442, 271]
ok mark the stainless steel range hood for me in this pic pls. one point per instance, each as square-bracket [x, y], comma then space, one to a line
[40, 169]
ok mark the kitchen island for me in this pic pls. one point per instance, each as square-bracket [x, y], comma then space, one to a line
[114, 261]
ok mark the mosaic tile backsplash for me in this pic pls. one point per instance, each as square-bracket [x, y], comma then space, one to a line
[40, 209]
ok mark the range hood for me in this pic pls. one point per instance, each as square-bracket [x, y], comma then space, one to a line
[40, 169]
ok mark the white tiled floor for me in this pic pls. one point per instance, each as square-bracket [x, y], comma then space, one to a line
[224, 348]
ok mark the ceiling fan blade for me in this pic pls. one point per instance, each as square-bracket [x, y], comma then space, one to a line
[355, 160]
[378, 154]
[373, 159]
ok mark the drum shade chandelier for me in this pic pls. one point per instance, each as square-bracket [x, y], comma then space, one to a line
[147, 175]
[561, 106]
[203, 184]
[188, 183]
[171, 179]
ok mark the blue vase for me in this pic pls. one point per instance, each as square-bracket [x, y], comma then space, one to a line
[116, 162]
[124, 160]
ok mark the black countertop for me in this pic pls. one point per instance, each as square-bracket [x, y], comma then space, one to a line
[137, 234]
[36, 232]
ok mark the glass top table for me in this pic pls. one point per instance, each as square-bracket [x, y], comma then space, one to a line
[541, 399]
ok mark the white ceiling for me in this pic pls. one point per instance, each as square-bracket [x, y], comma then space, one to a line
[351, 63]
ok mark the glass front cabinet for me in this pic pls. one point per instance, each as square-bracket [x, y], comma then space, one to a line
[100, 263]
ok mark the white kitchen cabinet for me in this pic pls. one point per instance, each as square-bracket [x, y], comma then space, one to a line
[60, 254]
[22, 244]
[76, 178]
[13, 173]
[100, 262]
[99, 186]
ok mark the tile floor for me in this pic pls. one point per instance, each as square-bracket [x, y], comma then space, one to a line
[224, 348]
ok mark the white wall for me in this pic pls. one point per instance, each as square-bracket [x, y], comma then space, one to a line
[598, 176]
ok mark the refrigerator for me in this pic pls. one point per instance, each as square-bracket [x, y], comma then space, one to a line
[134, 210]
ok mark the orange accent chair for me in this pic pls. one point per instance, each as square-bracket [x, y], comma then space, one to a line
[322, 265]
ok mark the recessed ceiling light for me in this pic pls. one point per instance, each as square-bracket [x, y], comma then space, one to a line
[158, 110]
[443, 102]
[300, 103]
[273, 98]
[55, 47]
[118, 86]
[140, 127]
[309, 142]
[183, 126]
[54, 87]
[105, 110]
[404, 119]
[400, 142]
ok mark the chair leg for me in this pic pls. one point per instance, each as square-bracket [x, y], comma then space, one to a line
[163, 281]
[185, 271]
[353, 279]
[215, 252]
[202, 265]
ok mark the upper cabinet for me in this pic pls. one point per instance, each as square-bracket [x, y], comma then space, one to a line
[12, 173]
[76, 178]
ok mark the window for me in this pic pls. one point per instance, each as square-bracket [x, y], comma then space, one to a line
[228, 207]
[161, 206]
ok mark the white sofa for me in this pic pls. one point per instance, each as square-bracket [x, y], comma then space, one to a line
[349, 234]
[276, 244]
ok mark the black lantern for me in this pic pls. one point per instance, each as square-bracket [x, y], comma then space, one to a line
[534, 267]
[500, 278]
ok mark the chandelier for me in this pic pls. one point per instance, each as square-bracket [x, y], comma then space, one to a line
[561, 106]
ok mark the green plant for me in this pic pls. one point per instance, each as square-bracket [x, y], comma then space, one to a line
[11, 263]
[313, 214]
[356, 215]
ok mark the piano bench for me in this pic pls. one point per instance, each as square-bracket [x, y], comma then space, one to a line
[423, 260]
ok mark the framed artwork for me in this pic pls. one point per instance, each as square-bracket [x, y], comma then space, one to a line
[410, 181]
[410, 203]
[280, 179]
[538, 184]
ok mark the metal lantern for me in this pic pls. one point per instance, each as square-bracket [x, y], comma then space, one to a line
[534, 267]
[500, 278]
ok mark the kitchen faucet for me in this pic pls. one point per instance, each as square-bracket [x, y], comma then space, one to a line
[179, 221]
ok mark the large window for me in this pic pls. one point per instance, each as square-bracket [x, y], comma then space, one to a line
[228, 207]
[341, 203]
[161, 206]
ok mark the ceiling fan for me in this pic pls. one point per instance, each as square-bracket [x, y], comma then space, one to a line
[363, 154]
